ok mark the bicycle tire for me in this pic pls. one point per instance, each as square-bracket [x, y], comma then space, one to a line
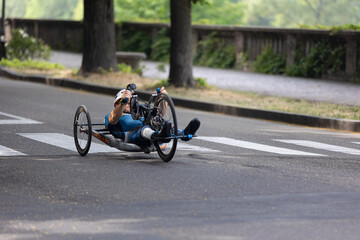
[166, 154]
[82, 130]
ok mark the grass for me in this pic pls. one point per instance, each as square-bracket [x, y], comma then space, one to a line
[30, 65]
[202, 93]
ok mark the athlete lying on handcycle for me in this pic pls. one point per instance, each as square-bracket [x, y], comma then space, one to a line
[122, 125]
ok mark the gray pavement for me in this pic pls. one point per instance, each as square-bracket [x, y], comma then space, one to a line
[273, 85]
[253, 183]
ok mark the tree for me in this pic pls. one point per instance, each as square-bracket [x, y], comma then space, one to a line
[99, 36]
[180, 48]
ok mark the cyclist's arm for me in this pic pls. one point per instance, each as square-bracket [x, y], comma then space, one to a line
[163, 106]
[116, 114]
[118, 111]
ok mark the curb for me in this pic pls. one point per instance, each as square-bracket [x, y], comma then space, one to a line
[298, 119]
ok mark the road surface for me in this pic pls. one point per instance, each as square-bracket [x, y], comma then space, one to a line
[241, 179]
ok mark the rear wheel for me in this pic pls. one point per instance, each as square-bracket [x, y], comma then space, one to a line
[165, 112]
[82, 130]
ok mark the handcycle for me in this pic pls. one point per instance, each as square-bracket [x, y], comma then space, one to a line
[154, 113]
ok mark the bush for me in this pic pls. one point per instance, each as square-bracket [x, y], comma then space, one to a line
[160, 50]
[270, 62]
[215, 52]
[322, 59]
[23, 47]
[135, 40]
[124, 68]
[201, 83]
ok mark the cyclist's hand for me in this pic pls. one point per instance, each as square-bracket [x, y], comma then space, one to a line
[126, 94]
[162, 90]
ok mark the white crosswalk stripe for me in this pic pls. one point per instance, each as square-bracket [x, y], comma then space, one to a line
[257, 146]
[16, 120]
[189, 147]
[322, 146]
[7, 152]
[66, 142]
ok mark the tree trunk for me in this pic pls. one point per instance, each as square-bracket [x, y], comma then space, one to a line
[99, 36]
[181, 74]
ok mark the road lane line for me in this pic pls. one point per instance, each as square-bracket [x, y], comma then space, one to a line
[16, 120]
[322, 146]
[7, 152]
[257, 146]
[66, 142]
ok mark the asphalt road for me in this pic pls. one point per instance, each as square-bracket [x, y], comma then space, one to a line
[241, 179]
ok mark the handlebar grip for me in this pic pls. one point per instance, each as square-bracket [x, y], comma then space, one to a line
[124, 101]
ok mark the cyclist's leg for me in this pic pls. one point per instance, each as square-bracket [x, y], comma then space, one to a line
[136, 136]
[190, 129]
[143, 135]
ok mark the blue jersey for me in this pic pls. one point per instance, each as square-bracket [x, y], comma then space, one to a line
[123, 126]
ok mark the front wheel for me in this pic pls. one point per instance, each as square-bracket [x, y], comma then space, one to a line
[165, 111]
[82, 130]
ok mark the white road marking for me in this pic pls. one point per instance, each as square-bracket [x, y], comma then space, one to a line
[257, 146]
[66, 142]
[322, 146]
[188, 147]
[6, 152]
[16, 120]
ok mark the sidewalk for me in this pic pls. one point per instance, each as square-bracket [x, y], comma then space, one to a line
[274, 85]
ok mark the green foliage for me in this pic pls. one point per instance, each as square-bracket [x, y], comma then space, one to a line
[201, 83]
[270, 62]
[219, 12]
[15, 9]
[160, 49]
[161, 67]
[242, 61]
[204, 11]
[136, 40]
[356, 78]
[39, 65]
[140, 41]
[22, 46]
[142, 10]
[291, 13]
[79, 11]
[161, 83]
[215, 52]
[334, 29]
[323, 58]
[124, 68]
[49, 9]
[200, 1]
[276, 13]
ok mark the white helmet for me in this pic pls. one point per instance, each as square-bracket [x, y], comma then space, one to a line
[118, 96]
